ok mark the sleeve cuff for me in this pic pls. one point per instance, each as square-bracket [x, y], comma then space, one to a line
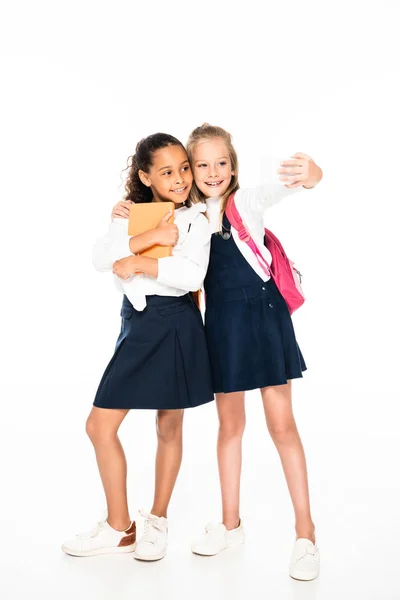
[121, 248]
[182, 274]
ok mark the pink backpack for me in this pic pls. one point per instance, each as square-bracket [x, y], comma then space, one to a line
[282, 270]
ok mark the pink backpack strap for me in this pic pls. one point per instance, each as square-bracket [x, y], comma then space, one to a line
[244, 235]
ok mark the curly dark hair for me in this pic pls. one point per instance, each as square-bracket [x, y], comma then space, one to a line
[142, 160]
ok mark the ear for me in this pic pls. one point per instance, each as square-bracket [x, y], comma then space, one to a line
[144, 178]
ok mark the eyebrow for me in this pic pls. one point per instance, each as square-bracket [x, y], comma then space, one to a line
[220, 158]
[170, 166]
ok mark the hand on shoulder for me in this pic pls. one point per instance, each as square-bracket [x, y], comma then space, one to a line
[121, 209]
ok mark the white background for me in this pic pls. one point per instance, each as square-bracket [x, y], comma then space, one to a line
[82, 83]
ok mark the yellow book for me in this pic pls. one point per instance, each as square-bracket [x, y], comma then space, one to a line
[145, 216]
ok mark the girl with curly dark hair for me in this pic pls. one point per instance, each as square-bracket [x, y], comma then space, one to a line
[160, 360]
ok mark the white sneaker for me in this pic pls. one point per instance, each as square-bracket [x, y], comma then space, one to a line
[153, 543]
[218, 538]
[102, 539]
[304, 564]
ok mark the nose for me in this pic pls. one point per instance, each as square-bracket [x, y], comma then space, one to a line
[212, 171]
[178, 178]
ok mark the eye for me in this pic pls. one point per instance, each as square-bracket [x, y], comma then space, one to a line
[222, 164]
[202, 165]
[185, 168]
[167, 173]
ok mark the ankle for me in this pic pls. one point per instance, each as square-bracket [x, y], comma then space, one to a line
[306, 531]
[119, 524]
[231, 523]
[158, 513]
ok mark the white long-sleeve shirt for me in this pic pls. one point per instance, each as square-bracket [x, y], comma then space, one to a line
[178, 274]
[251, 204]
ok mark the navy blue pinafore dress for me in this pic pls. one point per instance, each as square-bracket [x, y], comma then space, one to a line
[249, 330]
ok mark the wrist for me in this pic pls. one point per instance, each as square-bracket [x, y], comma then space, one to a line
[134, 262]
[155, 236]
[146, 265]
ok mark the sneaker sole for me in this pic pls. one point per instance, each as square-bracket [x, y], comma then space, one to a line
[98, 551]
[302, 576]
[150, 558]
[219, 551]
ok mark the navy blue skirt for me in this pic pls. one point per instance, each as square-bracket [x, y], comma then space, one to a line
[160, 360]
[251, 340]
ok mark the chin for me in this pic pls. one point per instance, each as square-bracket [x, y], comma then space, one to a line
[211, 192]
[179, 201]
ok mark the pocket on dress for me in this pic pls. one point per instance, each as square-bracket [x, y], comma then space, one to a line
[165, 311]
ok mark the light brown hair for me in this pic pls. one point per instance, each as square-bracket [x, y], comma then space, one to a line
[207, 132]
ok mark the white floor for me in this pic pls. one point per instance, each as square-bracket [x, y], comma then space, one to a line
[53, 491]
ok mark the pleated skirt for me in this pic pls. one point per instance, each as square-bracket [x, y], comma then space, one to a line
[160, 360]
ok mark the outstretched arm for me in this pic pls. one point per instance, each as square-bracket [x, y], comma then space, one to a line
[296, 173]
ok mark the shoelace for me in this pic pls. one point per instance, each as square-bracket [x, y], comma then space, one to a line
[86, 535]
[310, 550]
[151, 522]
[213, 529]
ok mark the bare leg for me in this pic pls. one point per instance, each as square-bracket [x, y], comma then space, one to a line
[232, 421]
[281, 424]
[168, 458]
[102, 428]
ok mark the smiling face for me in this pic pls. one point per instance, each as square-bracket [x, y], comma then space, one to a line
[212, 167]
[170, 177]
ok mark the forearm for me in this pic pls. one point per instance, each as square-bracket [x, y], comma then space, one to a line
[259, 199]
[146, 265]
[143, 241]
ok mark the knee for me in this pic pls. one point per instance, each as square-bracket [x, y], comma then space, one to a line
[232, 428]
[99, 433]
[169, 427]
[283, 432]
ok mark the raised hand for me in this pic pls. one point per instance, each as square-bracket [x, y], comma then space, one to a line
[299, 170]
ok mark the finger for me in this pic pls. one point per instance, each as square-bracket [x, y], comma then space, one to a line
[297, 170]
[289, 178]
[122, 206]
[301, 155]
[294, 185]
[292, 162]
[294, 178]
[166, 217]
